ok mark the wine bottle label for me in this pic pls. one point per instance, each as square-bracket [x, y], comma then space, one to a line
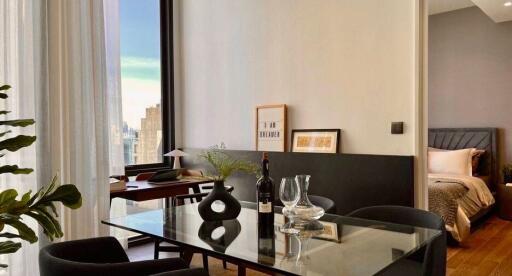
[265, 207]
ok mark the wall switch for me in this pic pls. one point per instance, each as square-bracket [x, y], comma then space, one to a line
[397, 128]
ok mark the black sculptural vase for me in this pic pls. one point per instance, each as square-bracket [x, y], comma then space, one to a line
[232, 206]
[231, 230]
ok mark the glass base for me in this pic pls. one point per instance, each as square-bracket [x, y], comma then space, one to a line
[288, 228]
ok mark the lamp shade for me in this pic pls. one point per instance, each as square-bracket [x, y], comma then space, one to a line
[176, 153]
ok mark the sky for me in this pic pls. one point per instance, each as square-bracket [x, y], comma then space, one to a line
[140, 57]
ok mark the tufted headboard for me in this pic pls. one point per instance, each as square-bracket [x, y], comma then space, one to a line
[461, 138]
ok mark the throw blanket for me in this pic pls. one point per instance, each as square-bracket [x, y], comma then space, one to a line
[442, 198]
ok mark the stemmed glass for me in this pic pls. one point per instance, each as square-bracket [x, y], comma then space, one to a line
[289, 193]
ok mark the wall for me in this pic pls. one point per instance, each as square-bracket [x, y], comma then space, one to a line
[336, 64]
[470, 73]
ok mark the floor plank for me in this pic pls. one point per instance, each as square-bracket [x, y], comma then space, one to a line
[487, 251]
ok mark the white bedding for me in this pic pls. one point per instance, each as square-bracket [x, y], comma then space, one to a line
[477, 198]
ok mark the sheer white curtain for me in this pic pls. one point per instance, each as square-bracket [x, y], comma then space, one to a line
[65, 74]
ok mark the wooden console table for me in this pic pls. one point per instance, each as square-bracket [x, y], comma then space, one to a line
[143, 190]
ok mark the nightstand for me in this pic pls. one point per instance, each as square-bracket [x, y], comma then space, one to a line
[504, 201]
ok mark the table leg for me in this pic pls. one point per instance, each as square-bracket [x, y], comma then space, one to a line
[187, 255]
[197, 190]
[241, 269]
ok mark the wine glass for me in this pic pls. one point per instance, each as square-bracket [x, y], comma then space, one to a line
[289, 194]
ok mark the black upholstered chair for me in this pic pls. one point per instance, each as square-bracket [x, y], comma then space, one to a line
[326, 203]
[103, 256]
[431, 261]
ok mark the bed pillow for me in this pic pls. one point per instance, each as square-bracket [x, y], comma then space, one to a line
[476, 157]
[450, 162]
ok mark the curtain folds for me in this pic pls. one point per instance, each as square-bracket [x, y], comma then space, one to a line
[62, 60]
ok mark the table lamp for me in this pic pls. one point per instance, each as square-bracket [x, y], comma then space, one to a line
[176, 154]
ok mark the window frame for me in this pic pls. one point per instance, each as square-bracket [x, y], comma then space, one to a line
[167, 91]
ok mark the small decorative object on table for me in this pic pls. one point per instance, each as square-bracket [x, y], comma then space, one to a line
[224, 165]
[305, 211]
[176, 154]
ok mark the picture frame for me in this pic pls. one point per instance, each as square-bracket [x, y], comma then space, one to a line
[271, 127]
[316, 140]
[332, 232]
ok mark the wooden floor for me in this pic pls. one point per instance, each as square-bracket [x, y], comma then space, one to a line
[488, 251]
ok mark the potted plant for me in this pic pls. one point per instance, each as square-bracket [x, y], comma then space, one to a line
[40, 206]
[507, 173]
[223, 166]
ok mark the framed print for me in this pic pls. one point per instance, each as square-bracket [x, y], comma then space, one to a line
[316, 140]
[331, 232]
[271, 127]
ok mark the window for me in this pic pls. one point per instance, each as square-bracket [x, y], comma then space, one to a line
[147, 95]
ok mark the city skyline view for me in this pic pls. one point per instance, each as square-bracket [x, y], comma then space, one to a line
[141, 81]
[140, 58]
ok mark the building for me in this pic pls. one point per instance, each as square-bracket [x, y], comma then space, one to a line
[130, 142]
[150, 137]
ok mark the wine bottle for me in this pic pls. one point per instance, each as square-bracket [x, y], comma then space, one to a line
[265, 200]
[266, 247]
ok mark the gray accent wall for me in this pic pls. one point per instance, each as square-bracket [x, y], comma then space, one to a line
[470, 74]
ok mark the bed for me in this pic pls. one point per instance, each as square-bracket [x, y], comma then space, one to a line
[470, 197]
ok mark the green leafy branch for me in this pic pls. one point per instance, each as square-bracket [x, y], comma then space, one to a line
[40, 206]
[224, 165]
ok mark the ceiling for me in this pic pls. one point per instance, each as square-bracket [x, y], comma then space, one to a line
[440, 6]
[493, 8]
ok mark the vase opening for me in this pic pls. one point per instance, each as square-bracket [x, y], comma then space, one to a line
[218, 206]
[218, 232]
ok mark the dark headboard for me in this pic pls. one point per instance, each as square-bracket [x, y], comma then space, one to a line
[461, 138]
[351, 180]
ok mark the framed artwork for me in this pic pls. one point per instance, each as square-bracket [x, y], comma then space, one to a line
[316, 140]
[331, 232]
[271, 128]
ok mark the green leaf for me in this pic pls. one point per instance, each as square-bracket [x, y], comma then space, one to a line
[9, 235]
[3, 112]
[51, 227]
[67, 194]
[14, 169]
[3, 96]
[23, 230]
[8, 247]
[26, 197]
[5, 87]
[16, 143]
[8, 196]
[4, 133]
[18, 123]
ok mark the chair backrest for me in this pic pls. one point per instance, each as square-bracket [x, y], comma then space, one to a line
[326, 203]
[81, 257]
[434, 262]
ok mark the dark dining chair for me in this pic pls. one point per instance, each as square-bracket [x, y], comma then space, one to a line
[104, 256]
[431, 260]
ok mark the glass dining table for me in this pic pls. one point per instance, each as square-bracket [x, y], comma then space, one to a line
[336, 245]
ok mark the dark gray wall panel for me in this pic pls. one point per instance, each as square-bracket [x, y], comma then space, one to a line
[351, 180]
